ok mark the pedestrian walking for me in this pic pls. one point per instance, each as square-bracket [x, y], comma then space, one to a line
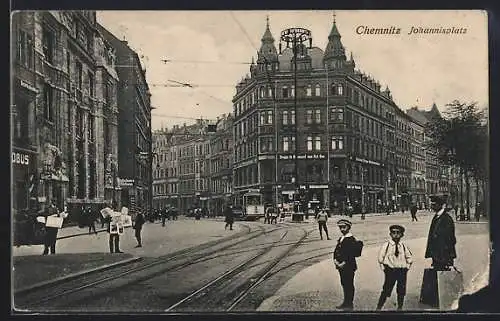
[228, 213]
[282, 214]
[274, 215]
[441, 239]
[164, 214]
[413, 211]
[395, 259]
[114, 236]
[344, 258]
[322, 218]
[50, 238]
[267, 215]
[138, 223]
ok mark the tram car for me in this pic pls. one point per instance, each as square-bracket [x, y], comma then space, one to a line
[253, 206]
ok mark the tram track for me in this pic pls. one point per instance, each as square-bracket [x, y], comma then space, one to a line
[97, 284]
[226, 291]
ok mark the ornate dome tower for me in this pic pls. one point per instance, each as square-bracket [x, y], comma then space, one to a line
[267, 53]
[335, 52]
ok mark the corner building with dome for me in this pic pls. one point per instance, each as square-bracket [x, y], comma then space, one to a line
[334, 148]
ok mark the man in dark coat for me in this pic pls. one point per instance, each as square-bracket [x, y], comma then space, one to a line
[139, 222]
[228, 213]
[413, 211]
[441, 240]
[345, 261]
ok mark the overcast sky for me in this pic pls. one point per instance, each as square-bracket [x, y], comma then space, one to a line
[419, 69]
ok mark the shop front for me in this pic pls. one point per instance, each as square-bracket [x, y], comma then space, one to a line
[53, 184]
[24, 179]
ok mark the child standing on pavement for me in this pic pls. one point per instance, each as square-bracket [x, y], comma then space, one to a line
[395, 259]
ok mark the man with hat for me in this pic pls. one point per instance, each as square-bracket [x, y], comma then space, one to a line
[395, 259]
[441, 240]
[344, 258]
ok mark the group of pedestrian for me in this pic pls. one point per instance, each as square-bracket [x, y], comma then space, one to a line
[114, 235]
[395, 257]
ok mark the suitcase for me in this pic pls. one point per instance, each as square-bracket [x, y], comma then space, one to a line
[440, 289]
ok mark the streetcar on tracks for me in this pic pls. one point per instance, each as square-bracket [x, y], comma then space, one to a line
[253, 206]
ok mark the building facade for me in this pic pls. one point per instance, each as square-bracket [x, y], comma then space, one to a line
[436, 174]
[58, 112]
[337, 147]
[135, 157]
[221, 164]
[161, 144]
[417, 189]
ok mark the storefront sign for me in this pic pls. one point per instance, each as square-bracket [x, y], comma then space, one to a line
[353, 187]
[126, 182]
[20, 158]
[367, 161]
[312, 156]
[318, 186]
[264, 157]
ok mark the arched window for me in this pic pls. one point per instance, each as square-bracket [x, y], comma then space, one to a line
[309, 91]
[317, 90]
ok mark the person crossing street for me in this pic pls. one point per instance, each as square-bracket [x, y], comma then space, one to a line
[322, 218]
[139, 222]
[228, 213]
[413, 211]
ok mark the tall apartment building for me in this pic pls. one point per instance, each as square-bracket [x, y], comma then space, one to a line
[436, 174]
[221, 164]
[58, 111]
[135, 157]
[344, 129]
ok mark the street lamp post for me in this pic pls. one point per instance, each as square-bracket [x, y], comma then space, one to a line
[296, 36]
[113, 168]
[362, 192]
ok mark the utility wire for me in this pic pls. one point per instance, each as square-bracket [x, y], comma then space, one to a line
[165, 61]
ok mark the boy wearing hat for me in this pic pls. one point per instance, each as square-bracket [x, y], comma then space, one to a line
[344, 259]
[395, 259]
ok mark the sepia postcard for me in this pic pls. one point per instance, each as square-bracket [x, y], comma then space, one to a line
[249, 161]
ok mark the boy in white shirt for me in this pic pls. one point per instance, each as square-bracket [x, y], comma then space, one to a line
[395, 259]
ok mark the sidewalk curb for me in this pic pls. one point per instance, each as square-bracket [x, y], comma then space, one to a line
[75, 275]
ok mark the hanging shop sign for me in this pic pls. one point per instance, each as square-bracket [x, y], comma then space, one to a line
[353, 187]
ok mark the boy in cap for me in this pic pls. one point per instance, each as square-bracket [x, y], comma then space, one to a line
[344, 258]
[395, 259]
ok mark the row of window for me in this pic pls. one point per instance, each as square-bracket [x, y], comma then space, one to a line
[285, 92]
[367, 101]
